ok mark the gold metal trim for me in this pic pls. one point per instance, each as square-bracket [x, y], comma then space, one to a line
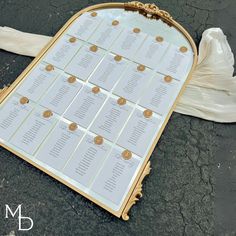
[137, 193]
[150, 10]
[6, 91]
[3, 91]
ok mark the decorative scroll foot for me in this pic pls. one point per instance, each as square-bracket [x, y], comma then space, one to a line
[137, 193]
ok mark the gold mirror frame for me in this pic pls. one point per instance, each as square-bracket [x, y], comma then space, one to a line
[150, 11]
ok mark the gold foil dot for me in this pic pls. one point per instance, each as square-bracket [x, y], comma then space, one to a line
[93, 14]
[115, 22]
[183, 49]
[98, 140]
[117, 58]
[73, 126]
[71, 79]
[95, 89]
[93, 48]
[126, 154]
[168, 79]
[49, 68]
[136, 30]
[121, 101]
[147, 113]
[47, 114]
[24, 100]
[141, 68]
[72, 39]
[159, 39]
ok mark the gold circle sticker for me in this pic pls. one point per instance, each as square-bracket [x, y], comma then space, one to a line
[168, 79]
[126, 154]
[147, 113]
[136, 30]
[72, 39]
[117, 57]
[96, 89]
[183, 49]
[24, 100]
[47, 114]
[98, 140]
[93, 14]
[93, 48]
[121, 101]
[115, 22]
[159, 39]
[49, 68]
[73, 126]
[141, 67]
[71, 79]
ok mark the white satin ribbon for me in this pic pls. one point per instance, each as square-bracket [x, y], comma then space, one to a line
[210, 94]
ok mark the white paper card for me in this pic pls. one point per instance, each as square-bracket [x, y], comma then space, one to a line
[115, 177]
[176, 63]
[86, 161]
[59, 145]
[33, 131]
[60, 95]
[160, 95]
[84, 26]
[37, 82]
[133, 82]
[111, 119]
[128, 43]
[108, 72]
[151, 52]
[63, 51]
[139, 133]
[85, 61]
[85, 106]
[105, 35]
[12, 114]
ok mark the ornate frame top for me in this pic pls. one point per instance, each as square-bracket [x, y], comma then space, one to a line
[150, 10]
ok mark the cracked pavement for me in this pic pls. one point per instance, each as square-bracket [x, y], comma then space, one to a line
[192, 186]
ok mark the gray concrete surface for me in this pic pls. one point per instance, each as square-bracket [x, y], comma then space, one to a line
[192, 187]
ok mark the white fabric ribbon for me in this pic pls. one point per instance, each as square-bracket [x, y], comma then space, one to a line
[210, 94]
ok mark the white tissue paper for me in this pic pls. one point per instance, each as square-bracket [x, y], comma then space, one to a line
[210, 94]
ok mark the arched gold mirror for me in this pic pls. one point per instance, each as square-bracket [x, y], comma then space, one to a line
[91, 107]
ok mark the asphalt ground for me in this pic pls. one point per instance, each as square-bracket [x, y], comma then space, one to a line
[192, 186]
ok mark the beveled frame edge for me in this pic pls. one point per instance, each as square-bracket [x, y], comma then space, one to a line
[7, 92]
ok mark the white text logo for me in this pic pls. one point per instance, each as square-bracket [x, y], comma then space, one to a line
[20, 217]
